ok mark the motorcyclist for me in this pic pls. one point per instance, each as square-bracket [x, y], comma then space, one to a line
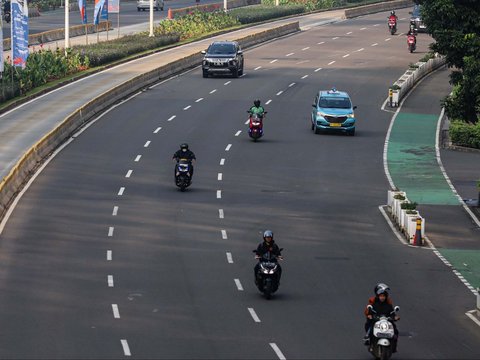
[257, 108]
[393, 17]
[412, 33]
[267, 245]
[382, 305]
[185, 153]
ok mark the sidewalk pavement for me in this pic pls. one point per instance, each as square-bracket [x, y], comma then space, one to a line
[415, 169]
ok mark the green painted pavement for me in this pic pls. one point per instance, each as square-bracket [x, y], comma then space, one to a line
[412, 161]
[465, 261]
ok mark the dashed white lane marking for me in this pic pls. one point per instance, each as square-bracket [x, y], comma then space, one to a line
[219, 194]
[222, 162]
[258, 67]
[375, 44]
[254, 315]
[129, 173]
[348, 33]
[280, 92]
[304, 76]
[317, 70]
[110, 280]
[171, 117]
[238, 132]
[277, 351]
[220, 176]
[273, 61]
[346, 55]
[321, 42]
[224, 234]
[221, 214]
[137, 159]
[198, 100]
[121, 191]
[361, 49]
[388, 39]
[290, 54]
[116, 312]
[147, 144]
[335, 38]
[214, 90]
[267, 102]
[109, 255]
[228, 147]
[229, 258]
[376, 25]
[331, 62]
[246, 122]
[228, 82]
[126, 348]
[292, 84]
[110, 231]
[239, 284]
[306, 48]
[363, 28]
[187, 107]
[115, 211]
[400, 19]
[244, 74]
[157, 130]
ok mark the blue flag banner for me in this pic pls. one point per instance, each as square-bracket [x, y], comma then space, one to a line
[19, 32]
[100, 12]
[82, 5]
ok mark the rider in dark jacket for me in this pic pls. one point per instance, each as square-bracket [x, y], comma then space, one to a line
[268, 245]
[185, 153]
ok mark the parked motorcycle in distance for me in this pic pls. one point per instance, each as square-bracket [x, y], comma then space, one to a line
[255, 130]
[411, 42]
[183, 174]
[392, 25]
[267, 276]
[383, 334]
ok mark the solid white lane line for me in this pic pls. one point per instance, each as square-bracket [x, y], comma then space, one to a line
[110, 280]
[109, 255]
[126, 349]
[171, 117]
[229, 258]
[266, 103]
[222, 162]
[187, 107]
[335, 38]
[254, 315]
[273, 61]
[137, 159]
[239, 284]
[129, 173]
[306, 48]
[258, 67]
[238, 132]
[115, 211]
[317, 70]
[361, 49]
[228, 82]
[110, 231]
[228, 147]
[116, 312]
[147, 144]
[224, 235]
[375, 44]
[321, 42]
[363, 28]
[388, 39]
[346, 55]
[121, 191]
[277, 351]
[292, 84]
[221, 215]
[280, 93]
[214, 90]
[348, 33]
[290, 54]
[157, 130]
[331, 62]
[198, 100]
[219, 194]
[220, 176]
[304, 76]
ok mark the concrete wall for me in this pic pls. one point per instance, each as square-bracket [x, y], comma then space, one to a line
[374, 8]
[212, 7]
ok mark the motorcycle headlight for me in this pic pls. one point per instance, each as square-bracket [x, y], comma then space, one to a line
[384, 326]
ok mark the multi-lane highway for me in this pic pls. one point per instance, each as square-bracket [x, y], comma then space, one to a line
[103, 257]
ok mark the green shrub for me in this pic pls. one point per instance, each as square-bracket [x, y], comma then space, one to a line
[257, 13]
[427, 57]
[465, 134]
[408, 205]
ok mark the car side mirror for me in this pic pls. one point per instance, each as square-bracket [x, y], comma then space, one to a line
[240, 52]
[314, 105]
[397, 308]
[354, 107]
[203, 52]
[410, 12]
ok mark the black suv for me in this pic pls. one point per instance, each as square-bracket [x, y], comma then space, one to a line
[223, 57]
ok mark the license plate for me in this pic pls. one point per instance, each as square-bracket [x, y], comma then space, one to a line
[335, 124]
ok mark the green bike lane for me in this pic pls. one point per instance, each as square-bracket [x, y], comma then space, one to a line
[414, 168]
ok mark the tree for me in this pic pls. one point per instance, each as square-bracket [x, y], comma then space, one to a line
[455, 26]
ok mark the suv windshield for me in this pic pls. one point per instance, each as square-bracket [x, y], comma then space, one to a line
[416, 11]
[221, 49]
[335, 103]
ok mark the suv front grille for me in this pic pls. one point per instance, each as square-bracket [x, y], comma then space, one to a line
[335, 119]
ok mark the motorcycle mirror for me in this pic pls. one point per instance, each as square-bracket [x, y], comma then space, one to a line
[265, 112]
[369, 307]
[254, 250]
[281, 249]
[397, 308]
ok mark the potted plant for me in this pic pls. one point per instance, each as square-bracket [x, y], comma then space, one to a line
[403, 217]
[397, 200]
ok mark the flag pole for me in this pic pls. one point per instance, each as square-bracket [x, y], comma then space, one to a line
[67, 25]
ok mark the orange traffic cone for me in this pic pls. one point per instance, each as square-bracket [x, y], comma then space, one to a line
[169, 14]
[417, 239]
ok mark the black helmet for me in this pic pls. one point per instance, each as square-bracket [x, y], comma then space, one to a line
[267, 233]
[381, 288]
[184, 146]
[392, 12]
[256, 102]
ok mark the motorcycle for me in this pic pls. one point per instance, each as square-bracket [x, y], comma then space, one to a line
[392, 25]
[267, 276]
[411, 42]
[383, 333]
[255, 130]
[183, 174]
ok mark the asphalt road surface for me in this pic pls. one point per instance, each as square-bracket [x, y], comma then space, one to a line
[104, 257]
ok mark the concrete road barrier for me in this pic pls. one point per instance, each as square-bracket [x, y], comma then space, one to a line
[374, 8]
